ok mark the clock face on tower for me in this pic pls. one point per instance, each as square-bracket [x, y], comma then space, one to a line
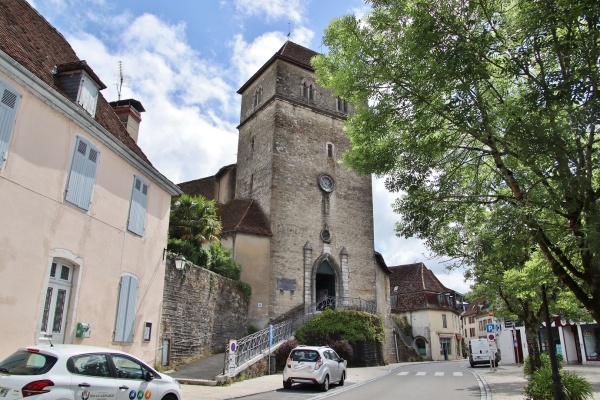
[326, 183]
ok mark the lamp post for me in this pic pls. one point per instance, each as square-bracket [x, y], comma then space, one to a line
[179, 262]
[557, 386]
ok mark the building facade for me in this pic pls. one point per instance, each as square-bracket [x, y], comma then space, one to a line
[431, 310]
[84, 215]
[298, 221]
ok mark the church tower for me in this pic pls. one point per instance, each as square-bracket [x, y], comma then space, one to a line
[320, 213]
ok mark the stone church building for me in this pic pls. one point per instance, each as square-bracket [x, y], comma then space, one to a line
[299, 222]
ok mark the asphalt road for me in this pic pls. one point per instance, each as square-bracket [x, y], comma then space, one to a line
[446, 380]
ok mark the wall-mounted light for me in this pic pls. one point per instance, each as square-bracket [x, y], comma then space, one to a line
[179, 262]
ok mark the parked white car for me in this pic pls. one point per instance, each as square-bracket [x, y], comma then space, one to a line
[77, 372]
[317, 365]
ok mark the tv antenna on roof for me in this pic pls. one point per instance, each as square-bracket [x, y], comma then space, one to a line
[121, 80]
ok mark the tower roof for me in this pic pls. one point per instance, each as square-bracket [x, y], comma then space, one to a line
[290, 52]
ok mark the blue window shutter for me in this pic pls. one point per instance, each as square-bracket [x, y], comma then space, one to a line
[126, 309]
[137, 208]
[9, 102]
[83, 174]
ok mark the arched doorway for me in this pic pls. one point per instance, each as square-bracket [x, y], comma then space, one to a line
[324, 281]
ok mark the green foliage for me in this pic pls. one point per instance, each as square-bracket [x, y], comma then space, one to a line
[545, 363]
[353, 326]
[484, 116]
[574, 387]
[221, 262]
[403, 323]
[246, 289]
[283, 351]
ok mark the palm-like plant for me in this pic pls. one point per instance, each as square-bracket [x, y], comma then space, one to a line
[194, 219]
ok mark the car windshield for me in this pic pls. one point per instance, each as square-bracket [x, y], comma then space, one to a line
[26, 363]
[305, 355]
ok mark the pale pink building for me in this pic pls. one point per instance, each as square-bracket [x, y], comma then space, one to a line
[84, 214]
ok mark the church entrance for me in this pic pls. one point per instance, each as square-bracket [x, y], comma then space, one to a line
[325, 284]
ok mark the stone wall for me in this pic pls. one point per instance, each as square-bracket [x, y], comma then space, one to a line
[201, 312]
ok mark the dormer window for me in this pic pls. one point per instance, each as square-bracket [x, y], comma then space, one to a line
[81, 84]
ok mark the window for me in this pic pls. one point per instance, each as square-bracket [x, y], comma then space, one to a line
[89, 364]
[128, 368]
[341, 105]
[308, 90]
[444, 321]
[257, 96]
[126, 309]
[80, 185]
[9, 102]
[137, 208]
[88, 95]
[330, 150]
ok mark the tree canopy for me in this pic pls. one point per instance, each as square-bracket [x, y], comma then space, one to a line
[480, 112]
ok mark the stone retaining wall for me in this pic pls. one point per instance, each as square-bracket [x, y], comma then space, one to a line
[201, 312]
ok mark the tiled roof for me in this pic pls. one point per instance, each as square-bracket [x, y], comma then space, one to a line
[205, 187]
[290, 52]
[416, 288]
[30, 40]
[244, 215]
[474, 308]
[297, 54]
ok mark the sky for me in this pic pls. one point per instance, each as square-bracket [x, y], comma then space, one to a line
[185, 60]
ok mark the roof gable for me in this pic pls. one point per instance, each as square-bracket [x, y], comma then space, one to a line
[244, 215]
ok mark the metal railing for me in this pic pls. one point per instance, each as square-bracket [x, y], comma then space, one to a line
[255, 346]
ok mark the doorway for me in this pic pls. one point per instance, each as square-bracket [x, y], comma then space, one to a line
[324, 284]
[56, 304]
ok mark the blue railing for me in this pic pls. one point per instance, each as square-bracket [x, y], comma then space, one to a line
[257, 345]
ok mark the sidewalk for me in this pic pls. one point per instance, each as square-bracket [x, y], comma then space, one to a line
[504, 383]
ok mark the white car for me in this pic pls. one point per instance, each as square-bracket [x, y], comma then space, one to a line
[314, 364]
[77, 372]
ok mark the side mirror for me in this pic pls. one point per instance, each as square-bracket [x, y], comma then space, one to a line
[148, 377]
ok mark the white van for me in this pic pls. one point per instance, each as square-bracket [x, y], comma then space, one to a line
[482, 351]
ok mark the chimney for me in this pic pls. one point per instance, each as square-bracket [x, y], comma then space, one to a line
[130, 113]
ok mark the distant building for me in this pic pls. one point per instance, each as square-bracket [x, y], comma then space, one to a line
[84, 214]
[432, 311]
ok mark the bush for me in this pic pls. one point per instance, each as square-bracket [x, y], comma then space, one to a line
[545, 360]
[353, 326]
[222, 263]
[540, 386]
[342, 348]
[283, 351]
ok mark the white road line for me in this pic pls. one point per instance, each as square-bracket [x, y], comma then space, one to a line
[421, 373]
[457, 373]
[404, 373]
[439, 374]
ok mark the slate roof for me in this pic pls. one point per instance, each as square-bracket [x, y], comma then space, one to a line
[290, 52]
[416, 288]
[244, 215]
[34, 43]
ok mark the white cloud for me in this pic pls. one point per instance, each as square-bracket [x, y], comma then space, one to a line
[273, 9]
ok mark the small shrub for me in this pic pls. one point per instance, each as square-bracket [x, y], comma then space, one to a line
[342, 348]
[545, 360]
[282, 353]
[540, 386]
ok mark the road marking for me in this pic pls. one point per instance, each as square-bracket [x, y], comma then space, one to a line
[457, 373]
[439, 374]
[404, 373]
[421, 373]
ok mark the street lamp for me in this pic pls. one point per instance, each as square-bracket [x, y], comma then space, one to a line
[179, 262]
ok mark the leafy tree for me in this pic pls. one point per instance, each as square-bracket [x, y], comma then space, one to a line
[475, 108]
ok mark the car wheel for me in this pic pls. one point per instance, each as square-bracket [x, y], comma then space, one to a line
[169, 397]
[325, 384]
[341, 382]
[287, 384]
